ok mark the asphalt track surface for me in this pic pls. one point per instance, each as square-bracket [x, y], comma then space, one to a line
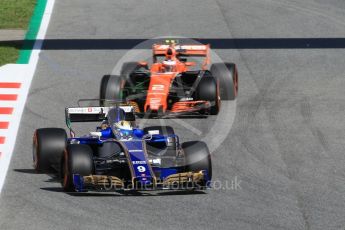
[286, 145]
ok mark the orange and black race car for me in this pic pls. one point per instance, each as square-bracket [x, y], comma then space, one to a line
[172, 84]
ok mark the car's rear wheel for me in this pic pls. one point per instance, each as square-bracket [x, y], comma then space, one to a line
[48, 147]
[77, 160]
[197, 157]
[208, 90]
[227, 75]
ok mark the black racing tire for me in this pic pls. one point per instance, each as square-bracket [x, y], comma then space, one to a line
[48, 147]
[227, 75]
[77, 160]
[163, 130]
[208, 90]
[111, 88]
[197, 157]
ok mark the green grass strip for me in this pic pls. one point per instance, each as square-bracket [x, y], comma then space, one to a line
[15, 14]
[30, 37]
[8, 54]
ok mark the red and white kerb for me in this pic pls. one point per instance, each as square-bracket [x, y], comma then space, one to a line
[8, 98]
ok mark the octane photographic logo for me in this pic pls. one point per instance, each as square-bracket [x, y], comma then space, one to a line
[231, 184]
[212, 130]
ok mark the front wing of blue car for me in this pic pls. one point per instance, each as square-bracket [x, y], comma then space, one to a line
[178, 181]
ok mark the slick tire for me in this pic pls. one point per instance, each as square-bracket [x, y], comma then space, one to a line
[48, 148]
[197, 157]
[77, 160]
[111, 89]
[227, 75]
[208, 90]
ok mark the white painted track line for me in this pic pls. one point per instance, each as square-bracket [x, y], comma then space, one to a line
[21, 73]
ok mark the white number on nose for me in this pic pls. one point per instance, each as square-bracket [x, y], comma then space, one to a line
[141, 168]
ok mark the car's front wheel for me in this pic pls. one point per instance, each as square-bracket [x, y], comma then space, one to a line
[77, 160]
[197, 157]
[111, 89]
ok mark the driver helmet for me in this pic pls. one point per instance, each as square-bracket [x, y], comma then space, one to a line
[124, 129]
[169, 65]
[124, 125]
[121, 127]
[170, 54]
[170, 61]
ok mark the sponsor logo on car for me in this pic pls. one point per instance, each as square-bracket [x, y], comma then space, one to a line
[139, 162]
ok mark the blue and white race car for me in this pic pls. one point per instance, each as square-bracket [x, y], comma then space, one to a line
[119, 155]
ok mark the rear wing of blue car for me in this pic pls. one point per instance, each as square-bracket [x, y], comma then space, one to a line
[94, 114]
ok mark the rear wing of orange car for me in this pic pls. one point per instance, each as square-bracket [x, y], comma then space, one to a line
[184, 50]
